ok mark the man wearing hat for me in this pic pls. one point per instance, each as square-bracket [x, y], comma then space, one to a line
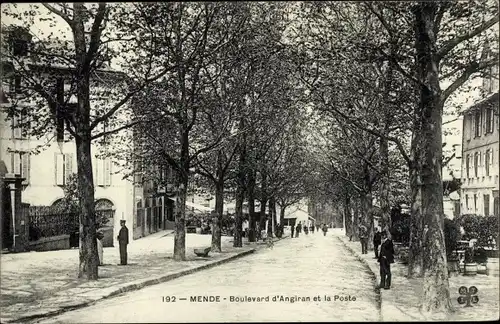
[123, 241]
[385, 258]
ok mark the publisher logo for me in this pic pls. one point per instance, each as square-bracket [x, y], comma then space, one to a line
[468, 296]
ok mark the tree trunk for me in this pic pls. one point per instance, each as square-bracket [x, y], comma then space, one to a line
[436, 294]
[385, 223]
[367, 219]
[355, 223]
[272, 217]
[251, 206]
[240, 192]
[282, 215]
[89, 259]
[180, 201]
[348, 217]
[217, 220]
[263, 217]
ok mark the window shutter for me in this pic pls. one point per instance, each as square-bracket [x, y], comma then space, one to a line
[26, 167]
[473, 125]
[100, 172]
[485, 121]
[469, 129]
[94, 170]
[17, 164]
[107, 172]
[59, 169]
[68, 160]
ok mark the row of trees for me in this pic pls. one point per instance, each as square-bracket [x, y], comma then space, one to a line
[375, 72]
[206, 89]
[274, 100]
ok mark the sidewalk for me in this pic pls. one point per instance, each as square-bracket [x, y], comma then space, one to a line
[40, 284]
[401, 302]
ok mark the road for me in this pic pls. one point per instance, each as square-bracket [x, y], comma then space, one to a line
[311, 269]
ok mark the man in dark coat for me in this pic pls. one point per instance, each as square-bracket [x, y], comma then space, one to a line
[385, 258]
[377, 239]
[123, 241]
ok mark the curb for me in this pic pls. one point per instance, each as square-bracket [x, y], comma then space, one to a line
[373, 275]
[128, 288]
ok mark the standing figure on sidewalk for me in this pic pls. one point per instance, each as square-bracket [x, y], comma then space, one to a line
[325, 229]
[306, 230]
[385, 258]
[377, 239]
[100, 250]
[312, 228]
[363, 237]
[298, 228]
[123, 241]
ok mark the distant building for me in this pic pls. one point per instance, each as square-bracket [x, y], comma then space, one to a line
[480, 153]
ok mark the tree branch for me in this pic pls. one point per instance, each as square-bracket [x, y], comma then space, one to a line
[472, 68]
[59, 13]
[452, 43]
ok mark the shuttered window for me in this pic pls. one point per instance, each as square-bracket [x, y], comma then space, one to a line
[102, 172]
[63, 168]
[20, 165]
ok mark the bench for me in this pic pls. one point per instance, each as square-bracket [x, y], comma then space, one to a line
[202, 252]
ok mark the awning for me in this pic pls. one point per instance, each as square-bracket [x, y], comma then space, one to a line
[195, 206]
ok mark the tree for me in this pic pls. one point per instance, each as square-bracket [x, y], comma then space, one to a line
[50, 64]
[192, 36]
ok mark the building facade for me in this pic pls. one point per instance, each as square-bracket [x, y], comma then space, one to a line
[480, 157]
[48, 162]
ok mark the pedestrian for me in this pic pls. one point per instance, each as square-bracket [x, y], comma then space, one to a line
[325, 229]
[123, 241]
[385, 258]
[312, 228]
[306, 229]
[363, 237]
[100, 250]
[298, 228]
[377, 239]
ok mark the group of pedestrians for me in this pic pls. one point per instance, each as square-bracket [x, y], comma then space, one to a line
[384, 252]
[296, 230]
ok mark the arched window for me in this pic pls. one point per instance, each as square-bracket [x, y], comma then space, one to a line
[105, 212]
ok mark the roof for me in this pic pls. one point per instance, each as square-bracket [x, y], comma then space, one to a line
[490, 102]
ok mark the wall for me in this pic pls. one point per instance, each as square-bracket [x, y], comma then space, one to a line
[482, 184]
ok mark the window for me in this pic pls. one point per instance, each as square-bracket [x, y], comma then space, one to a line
[486, 205]
[467, 202]
[102, 172]
[20, 164]
[20, 126]
[64, 168]
[467, 165]
[477, 124]
[476, 164]
[475, 202]
[487, 162]
[489, 120]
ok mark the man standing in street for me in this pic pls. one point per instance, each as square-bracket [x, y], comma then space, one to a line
[123, 241]
[363, 237]
[377, 239]
[385, 258]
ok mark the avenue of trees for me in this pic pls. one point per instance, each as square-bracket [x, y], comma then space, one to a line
[277, 101]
